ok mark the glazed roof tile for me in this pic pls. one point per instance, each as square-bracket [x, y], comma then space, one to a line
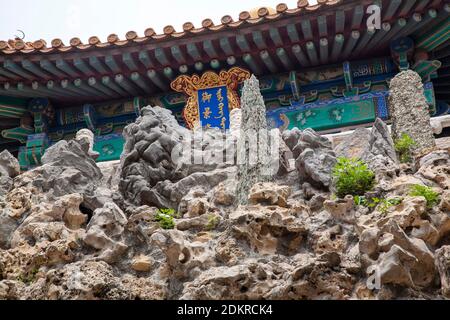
[18, 46]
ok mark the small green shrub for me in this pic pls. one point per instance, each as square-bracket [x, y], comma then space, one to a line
[352, 177]
[428, 193]
[404, 147]
[213, 222]
[166, 218]
[383, 205]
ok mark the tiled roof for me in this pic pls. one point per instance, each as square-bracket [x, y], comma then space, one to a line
[19, 46]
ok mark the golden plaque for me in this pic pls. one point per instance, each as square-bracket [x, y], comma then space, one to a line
[191, 86]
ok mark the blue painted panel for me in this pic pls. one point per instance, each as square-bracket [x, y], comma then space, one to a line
[214, 108]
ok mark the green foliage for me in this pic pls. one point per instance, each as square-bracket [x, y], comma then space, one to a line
[428, 193]
[30, 277]
[213, 222]
[166, 218]
[352, 177]
[383, 205]
[404, 147]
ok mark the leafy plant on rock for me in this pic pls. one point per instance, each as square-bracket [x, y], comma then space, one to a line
[352, 177]
[166, 218]
[428, 193]
[383, 205]
[404, 147]
[213, 222]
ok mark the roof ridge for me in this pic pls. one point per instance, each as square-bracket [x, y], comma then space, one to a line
[17, 45]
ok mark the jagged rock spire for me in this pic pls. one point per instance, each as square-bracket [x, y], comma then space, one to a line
[409, 110]
[253, 145]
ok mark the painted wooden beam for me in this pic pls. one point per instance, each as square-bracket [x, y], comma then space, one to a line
[110, 83]
[15, 68]
[259, 40]
[300, 55]
[435, 37]
[208, 46]
[199, 66]
[64, 66]
[406, 8]
[21, 87]
[429, 16]
[51, 68]
[38, 88]
[351, 43]
[312, 53]
[129, 61]
[177, 54]
[215, 64]
[253, 65]
[126, 85]
[307, 30]
[97, 65]
[284, 58]
[70, 87]
[338, 45]
[421, 5]
[139, 80]
[161, 57]
[55, 87]
[242, 43]
[226, 47]
[340, 22]
[183, 69]
[83, 67]
[156, 79]
[12, 91]
[168, 72]
[8, 74]
[276, 37]
[323, 27]
[358, 15]
[395, 30]
[100, 87]
[79, 83]
[193, 51]
[31, 67]
[370, 32]
[392, 9]
[145, 59]
[380, 34]
[292, 33]
[267, 59]
[231, 60]
[112, 64]
[324, 50]
[412, 22]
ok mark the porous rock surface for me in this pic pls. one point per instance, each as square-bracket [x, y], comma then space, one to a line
[64, 236]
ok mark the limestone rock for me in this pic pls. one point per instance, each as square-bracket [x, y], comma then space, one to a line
[253, 167]
[314, 156]
[104, 232]
[269, 194]
[443, 265]
[141, 264]
[409, 110]
[355, 145]
[9, 168]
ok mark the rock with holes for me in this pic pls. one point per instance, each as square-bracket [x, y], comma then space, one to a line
[409, 110]
[315, 158]
[443, 265]
[269, 194]
[104, 232]
[9, 169]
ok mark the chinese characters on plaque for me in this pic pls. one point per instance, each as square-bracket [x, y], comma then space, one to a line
[213, 107]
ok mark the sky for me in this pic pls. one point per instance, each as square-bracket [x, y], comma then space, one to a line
[65, 19]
